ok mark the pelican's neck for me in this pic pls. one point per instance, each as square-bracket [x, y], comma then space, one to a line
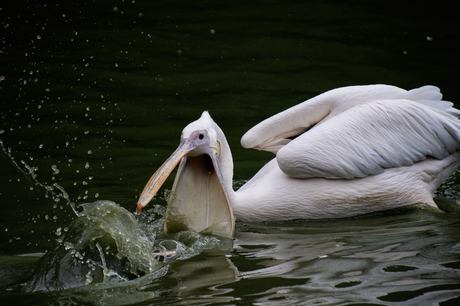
[225, 163]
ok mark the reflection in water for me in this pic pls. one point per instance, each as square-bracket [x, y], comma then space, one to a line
[355, 260]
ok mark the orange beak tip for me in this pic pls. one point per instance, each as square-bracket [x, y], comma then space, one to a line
[139, 208]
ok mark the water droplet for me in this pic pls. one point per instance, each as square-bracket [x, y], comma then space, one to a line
[89, 279]
[55, 169]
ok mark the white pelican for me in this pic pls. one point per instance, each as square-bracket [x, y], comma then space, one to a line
[349, 151]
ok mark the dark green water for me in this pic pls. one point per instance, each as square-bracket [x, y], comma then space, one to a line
[94, 96]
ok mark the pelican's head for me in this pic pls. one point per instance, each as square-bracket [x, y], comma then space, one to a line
[199, 199]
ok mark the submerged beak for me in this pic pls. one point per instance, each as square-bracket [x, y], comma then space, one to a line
[198, 200]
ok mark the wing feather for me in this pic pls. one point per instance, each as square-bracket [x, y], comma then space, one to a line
[357, 131]
[370, 137]
[274, 132]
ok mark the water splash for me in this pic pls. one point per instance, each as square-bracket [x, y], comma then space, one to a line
[31, 174]
[104, 244]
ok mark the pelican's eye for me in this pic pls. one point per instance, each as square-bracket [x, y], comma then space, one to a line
[201, 136]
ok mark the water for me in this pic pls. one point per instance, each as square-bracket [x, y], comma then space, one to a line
[95, 95]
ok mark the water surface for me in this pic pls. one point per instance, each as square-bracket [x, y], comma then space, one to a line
[95, 95]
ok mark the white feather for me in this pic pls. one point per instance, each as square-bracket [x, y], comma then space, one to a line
[349, 151]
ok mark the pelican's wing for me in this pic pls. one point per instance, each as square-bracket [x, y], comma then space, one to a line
[370, 137]
[358, 130]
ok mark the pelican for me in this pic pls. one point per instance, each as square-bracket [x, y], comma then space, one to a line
[346, 152]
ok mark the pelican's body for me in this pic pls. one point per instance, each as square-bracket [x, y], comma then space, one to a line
[349, 151]
[329, 198]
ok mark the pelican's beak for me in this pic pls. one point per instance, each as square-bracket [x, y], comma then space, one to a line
[198, 200]
[159, 177]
